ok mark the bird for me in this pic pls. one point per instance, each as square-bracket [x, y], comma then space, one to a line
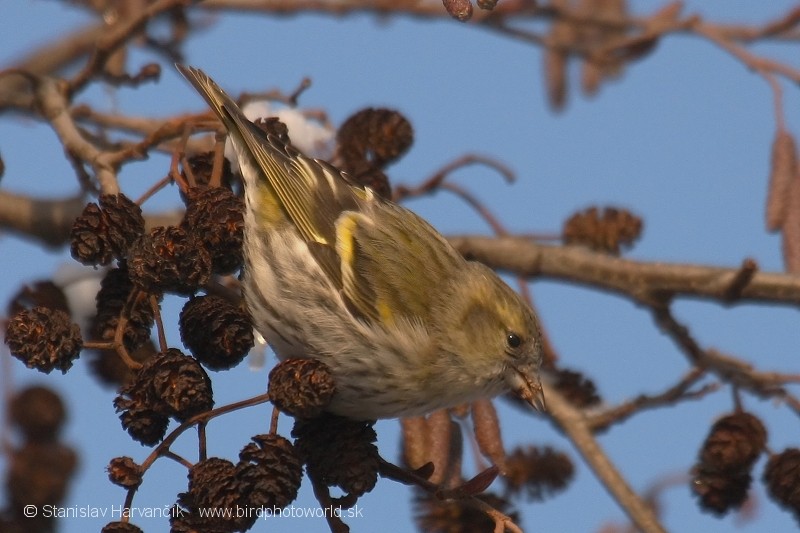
[334, 272]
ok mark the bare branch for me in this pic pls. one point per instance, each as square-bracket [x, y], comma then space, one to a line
[48, 59]
[49, 221]
[52, 100]
[650, 283]
[574, 423]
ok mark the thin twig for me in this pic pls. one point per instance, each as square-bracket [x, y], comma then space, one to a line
[162, 337]
[119, 333]
[202, 444]
[749, 59]
[323, 496]
[476, 204]
[116, 36]
[574, 423]
[153, 189]
[273, 423]
[433, 183]
[394, 472]
[679, 392]
[731, 370]
[165, 444]
[169, 454]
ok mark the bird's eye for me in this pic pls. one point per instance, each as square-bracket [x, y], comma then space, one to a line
[513, 340]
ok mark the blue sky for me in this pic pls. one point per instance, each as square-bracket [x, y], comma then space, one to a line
[682, 139]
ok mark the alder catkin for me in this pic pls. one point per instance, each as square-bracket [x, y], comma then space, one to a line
[487, 432]
[791, 228]
[783, 169]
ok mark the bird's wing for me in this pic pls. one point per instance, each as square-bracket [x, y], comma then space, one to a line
[391, 262]
[311, 194]
[384, 259]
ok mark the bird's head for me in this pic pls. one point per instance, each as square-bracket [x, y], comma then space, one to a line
[492, 331]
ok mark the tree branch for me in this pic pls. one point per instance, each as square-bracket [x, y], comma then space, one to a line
[730, 369]
[649, 283]
[50, 221]
[574, 423]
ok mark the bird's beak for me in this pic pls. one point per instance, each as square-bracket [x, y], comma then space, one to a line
[525, 383]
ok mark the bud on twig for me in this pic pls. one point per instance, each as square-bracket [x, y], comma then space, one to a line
[461, 10]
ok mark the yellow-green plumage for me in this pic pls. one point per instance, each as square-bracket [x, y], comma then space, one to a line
[334, 272]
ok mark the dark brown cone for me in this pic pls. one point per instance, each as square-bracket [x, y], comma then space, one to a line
[271, 470]
[213, 483]
[111, 300]
[782, 478]
[39, 474]
[218, 333]
[104, 232]
[579, 390]
[123, 471]
[44, 339]
[170, 384]
[273, 126]
[721, 478]
[202, 166]
[89, 240]
[125, 222]
[42, 293]
[541, 472]
[216, 218]
[142, 423]
[733, 444]
[168, 259]
[180, 386]
[302, 388]
[454, 516]
[607, 231]
[369, 175]
[120, 527]
[720, 492]
[38, 412]
[377, 136]
[338, 452]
